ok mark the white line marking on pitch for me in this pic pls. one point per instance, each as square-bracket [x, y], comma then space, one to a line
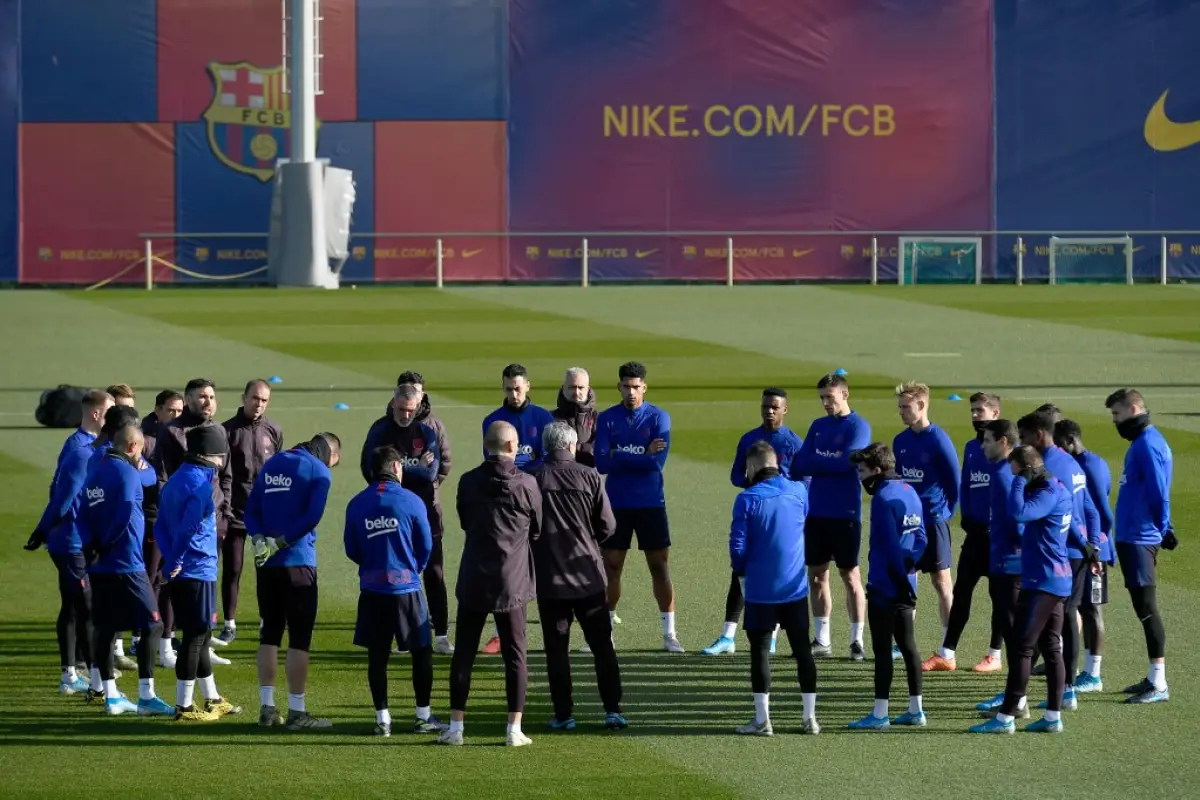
[933, 355]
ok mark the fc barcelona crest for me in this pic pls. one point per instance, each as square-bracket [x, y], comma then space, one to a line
[249, 118]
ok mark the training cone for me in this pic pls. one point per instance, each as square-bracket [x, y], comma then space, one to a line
[274, 379]
[340, 407]
[954, 398]
[840, 372]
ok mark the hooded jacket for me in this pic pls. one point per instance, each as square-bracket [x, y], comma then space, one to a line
[251, 443]
[58, 520]
[170, 449]
[500, 509]
[576, 518]
[288, 500]
[581, 417]
[150, 428]
[387, 535]
[186, 529]
[111, 521]
[425, 414]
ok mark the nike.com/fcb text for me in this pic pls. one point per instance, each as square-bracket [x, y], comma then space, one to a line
[682, 121]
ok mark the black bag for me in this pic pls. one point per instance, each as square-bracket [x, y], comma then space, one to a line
[61, 407]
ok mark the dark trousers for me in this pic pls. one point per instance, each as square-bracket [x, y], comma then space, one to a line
[793, 619]
[1004, 591]
[1039, 622]
[233, 558]
[592, 613]
[468, 631]
[972, 566]
[434, 578]
[422, 674]
[158, 582]
[891, 620]
[106, 637]
[735, 601]
[74, 624]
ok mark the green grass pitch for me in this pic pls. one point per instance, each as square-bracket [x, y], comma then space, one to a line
[710, 351]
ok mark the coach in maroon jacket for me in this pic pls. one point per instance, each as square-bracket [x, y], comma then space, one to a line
[253, 438]
[500, 509]
[168, 405]
[577, 407]
[571, 583]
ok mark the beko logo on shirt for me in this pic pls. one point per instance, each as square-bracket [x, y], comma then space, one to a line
[277, 483]
[95, 496]
[633, 449]
[382, 525]
[525, 449]
[411, 461]
[829, 453]
[980, 479]
[912, 474]
[1078, 482]
[912, 520]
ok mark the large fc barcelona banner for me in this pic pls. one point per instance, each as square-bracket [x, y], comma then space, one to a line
[655, 128]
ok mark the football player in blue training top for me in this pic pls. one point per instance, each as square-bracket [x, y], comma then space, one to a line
[925, 457]
[518, 411]
[633, 440]
[786, 444]
[897, 541]
[834, 525]
[1144, 525]
[1069, 436]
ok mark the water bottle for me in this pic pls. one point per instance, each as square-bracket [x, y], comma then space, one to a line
[1097, 590]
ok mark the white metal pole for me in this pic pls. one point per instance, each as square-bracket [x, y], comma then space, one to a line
[583, 265]
[1053, 264]
[1162, 263]
[303, 84]
[440, 272]
[150, 264]
[1020, 260]
[874, 261]
[729, 261]
[1128, 259]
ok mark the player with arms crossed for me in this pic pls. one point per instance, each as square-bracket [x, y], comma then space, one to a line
[1143, 525]
[632, 443]
[925, 457]
[786, 444]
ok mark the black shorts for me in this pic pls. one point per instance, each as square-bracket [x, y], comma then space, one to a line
[1079, 579]
[1087, 591]
[650, 525]
[975, 554]
[766, 616]
[194, 603]
[937, 555]
[1139, 564]
[72, 574]
[837, 540]
[287, 598]
[383, 618]
[123, 602]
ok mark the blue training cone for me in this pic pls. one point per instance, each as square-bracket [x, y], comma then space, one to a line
[954, 398]
[840, 371]
[340, 407]
[274, 379]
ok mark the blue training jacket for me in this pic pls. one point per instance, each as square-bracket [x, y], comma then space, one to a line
[1046, 514]
[288, 499]
[388, 535]
[898, 539]
[1083, 511]
[186, 529]
[928, 461]
[529, 421]
[766, 540]
[1099, 483]
[975, 489]
[146, 474]
[111, 521]
[1004, 532]
[784, 441]
[1144, 496]
[635, 479]
[835, 491]
[58, 520]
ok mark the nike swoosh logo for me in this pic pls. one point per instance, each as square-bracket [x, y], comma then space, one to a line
[644, 253]
[802, 253]
[1165, 135]
[469, 253]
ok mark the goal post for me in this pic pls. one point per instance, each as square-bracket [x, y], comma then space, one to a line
[1105, 259]
[940, 259]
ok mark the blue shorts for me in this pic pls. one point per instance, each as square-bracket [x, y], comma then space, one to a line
[72, 575]
[1139, 564]
[937, 555]
[837, 540]
[650, 524]
[194, 603]
[384, 618]
[123, 602]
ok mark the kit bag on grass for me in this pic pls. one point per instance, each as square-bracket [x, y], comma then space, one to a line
[61, 407]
